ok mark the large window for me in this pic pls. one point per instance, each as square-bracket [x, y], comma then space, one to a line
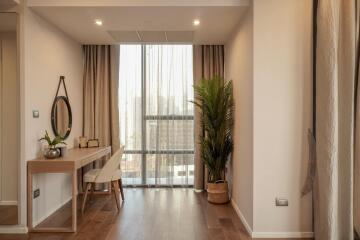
[156, 115]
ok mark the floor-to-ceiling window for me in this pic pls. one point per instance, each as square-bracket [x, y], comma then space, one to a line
[156, 115]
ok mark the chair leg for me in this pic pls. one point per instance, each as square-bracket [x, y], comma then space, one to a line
[121, 189]
[85, 196]
[92, 189]
[116, 192]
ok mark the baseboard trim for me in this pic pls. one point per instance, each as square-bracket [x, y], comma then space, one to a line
[268, 234]
[282, 235]
[8, 203]
[16, 229]
[242, 218]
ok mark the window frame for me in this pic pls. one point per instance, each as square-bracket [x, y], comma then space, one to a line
[144, 117]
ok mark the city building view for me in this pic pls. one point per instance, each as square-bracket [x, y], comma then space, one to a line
[157, 125]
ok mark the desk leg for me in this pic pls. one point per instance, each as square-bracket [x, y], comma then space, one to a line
[108, 156]
[29, 200]
[52, 229]
[74, 200]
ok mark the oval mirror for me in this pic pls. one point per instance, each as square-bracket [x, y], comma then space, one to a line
[61, 117]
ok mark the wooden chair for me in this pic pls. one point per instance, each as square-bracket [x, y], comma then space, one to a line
[109, 173]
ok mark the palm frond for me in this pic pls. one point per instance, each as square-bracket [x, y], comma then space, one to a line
[214, 97]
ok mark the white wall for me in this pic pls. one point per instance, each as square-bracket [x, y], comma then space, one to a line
[280, 101]
[239, 69]
[282, 113]
[9, 108]
[49, 53]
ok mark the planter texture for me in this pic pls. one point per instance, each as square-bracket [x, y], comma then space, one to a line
[218, 193]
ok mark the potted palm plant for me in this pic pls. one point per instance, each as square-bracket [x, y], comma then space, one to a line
[214, 97]
[52, 151]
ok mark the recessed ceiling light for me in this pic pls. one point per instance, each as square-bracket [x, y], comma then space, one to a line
[98, 22]
[196, 22]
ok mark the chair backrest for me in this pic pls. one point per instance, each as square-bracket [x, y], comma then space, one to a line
[111, 167]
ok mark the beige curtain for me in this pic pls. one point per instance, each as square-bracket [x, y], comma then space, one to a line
[208, 63]
[101, 113]
[335, 85]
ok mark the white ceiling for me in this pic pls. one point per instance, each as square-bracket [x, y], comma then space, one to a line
[137, 3]
[122, 19]
[8, 22]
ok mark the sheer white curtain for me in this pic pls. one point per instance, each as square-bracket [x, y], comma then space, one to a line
[130, 103]
[157, 117]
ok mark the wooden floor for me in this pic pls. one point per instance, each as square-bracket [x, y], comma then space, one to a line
[148, 214]
[8, 215]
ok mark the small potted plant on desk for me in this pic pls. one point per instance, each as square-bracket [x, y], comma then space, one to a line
[52, 151]
[214, 97]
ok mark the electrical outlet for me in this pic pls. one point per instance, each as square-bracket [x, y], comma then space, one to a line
[36, 114]
[281, 202]
[36, 193]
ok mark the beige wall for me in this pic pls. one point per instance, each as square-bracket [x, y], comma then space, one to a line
[275, 110]
[9, 109]
[49, 53]
[282, 113]
[239, 69]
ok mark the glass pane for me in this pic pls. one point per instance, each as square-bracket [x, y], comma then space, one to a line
[130, 96]
[168, 86]
[169, 80]
[169, 135]
[170, 169]
[131, 169]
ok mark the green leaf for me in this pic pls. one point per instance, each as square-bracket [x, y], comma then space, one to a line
[214, 97]
[52, 143]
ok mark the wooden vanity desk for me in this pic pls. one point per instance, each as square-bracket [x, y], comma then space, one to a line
[75, 159]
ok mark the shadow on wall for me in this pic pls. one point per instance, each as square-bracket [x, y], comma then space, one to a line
[307, 113]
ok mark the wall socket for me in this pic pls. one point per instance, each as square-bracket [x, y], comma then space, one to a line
[36, 113]
[36, 193]
[281, 202]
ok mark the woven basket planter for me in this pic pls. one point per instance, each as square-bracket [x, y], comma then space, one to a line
[218, 193]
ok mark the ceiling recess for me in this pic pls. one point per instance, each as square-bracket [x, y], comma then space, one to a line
[152, 36]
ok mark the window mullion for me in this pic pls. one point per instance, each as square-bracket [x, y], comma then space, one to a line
[143, 113]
